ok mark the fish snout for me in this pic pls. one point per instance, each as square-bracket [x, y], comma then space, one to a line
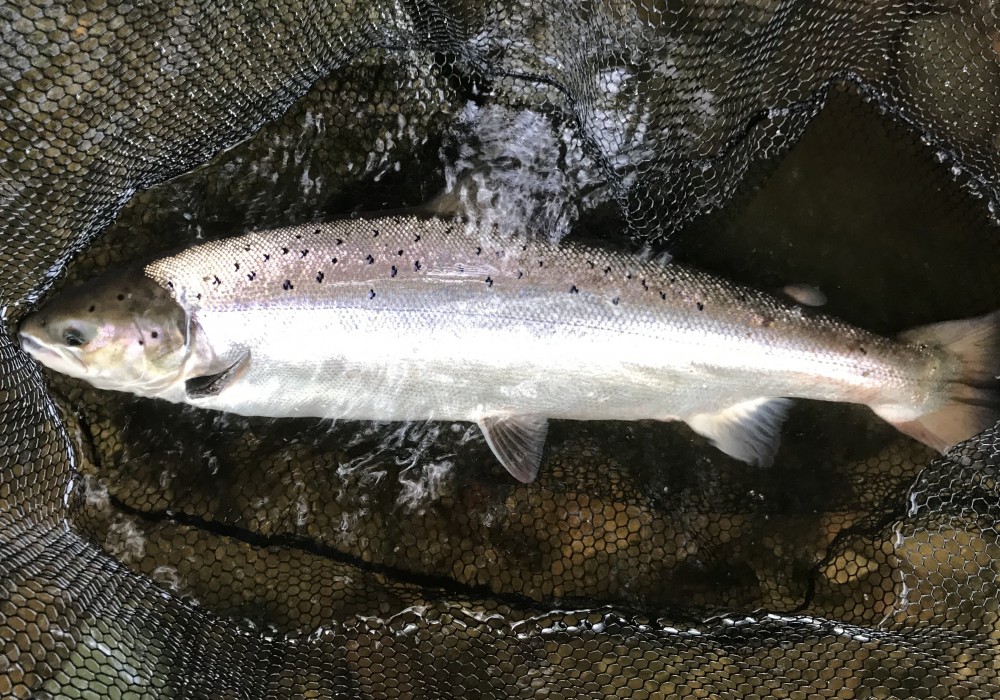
[30, 341]
[33, 340]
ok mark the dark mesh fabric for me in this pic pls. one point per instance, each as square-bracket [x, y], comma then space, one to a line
[151, 550]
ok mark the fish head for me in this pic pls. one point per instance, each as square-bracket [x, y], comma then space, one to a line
[123, 332]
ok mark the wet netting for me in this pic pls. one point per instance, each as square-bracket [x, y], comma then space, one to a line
[152, 550]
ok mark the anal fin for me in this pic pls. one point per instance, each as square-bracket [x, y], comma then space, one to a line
[517, 441]
[748, 431]
[212, 384]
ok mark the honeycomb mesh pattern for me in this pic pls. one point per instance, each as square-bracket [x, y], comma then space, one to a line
[152, 550]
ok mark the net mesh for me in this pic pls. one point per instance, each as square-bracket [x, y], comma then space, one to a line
[152, 550]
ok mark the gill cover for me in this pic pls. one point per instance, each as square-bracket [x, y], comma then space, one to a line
[121, 331]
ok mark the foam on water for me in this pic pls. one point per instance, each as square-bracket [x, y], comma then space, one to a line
[520, 170]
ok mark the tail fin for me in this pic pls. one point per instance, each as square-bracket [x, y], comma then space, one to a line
[974, 404]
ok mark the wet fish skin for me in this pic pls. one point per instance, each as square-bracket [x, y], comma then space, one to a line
[409, 317]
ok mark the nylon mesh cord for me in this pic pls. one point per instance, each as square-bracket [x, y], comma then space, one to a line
[152, 550]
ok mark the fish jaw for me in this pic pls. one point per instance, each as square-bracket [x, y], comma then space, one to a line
[57, 359]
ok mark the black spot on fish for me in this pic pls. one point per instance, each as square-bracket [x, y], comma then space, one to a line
[628, 275]
[371, 293]
[316, 232]
[155, 334]
[393, 271]
[305, 252]
[615, 301]
[489, 281]
[92, 309]
[298, 236]
[216, 280]
[284, 251]
[141, 343]
[170, 284]
[198, 296]
[320, 276]
[591, 263]
[574, 290]
[236, 265]
[251, 275]
[861, 348]
[267, 256]
[541, 263]
[524, 246]
[607, 270]
[340, 241]
[246, 248]
[121, 297]
[479, 251]
[399, 252]
[288, 285]
[374, 233]
[416, 239]
[672, 280]
[370, 259]
[645, 286]
[701, 307]
[663, 295]
[520, 274]
[333, 260]
[416, 265]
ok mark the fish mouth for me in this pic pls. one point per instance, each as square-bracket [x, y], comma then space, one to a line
[32, 346]
[54, 358]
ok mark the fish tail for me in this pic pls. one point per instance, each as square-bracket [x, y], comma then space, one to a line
[973, 401]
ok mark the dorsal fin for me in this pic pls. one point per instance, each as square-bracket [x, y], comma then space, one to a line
[649, 254]
[805, 294]
[517, 441]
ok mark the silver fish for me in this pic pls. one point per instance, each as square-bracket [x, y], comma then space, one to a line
[410, 317]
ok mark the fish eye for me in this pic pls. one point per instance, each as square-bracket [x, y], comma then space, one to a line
[73, 338]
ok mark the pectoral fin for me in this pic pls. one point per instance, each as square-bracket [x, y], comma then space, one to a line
[212, 384]
[749, 431]
[517, 441]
